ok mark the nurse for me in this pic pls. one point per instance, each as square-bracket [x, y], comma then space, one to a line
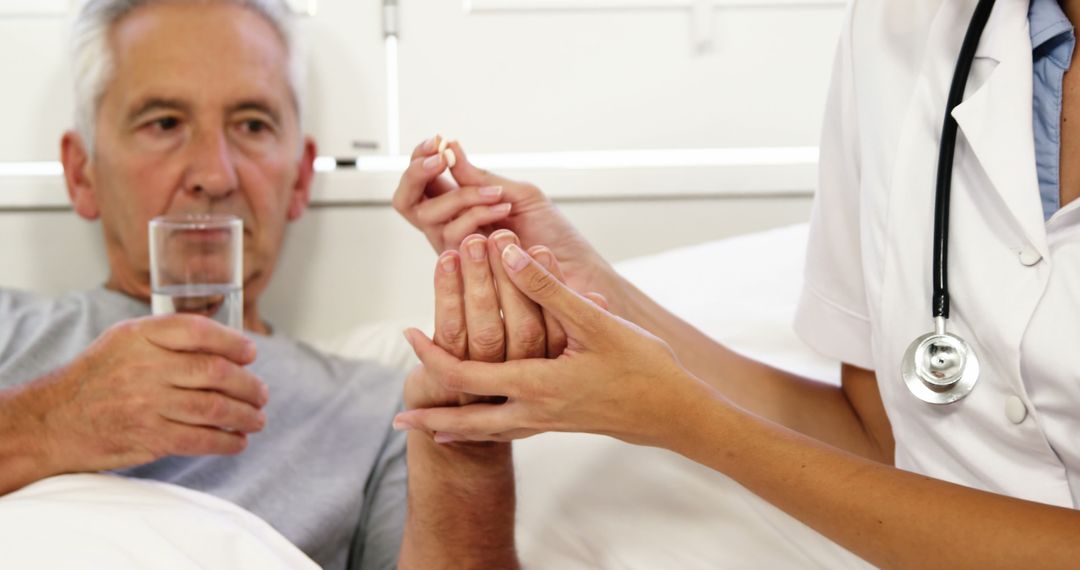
[989, 480]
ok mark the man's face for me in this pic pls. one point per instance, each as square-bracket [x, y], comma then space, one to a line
[197, 117]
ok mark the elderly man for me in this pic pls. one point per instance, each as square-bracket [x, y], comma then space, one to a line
[193, 107]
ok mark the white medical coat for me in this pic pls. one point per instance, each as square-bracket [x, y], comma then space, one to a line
[1014, 279]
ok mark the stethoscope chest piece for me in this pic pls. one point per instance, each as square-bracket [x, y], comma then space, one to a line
[939, 367]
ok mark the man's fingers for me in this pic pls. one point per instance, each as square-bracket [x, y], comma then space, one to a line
[212, 409]
[470, 377]
[523, 319]
[209, 372]
[486, 335]
[577, 315]
[196, 333]
[556, 336]
[442, 209]
[188, 440]
[450, 332]
[472, 220]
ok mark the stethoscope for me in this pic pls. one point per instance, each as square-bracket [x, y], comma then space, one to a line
[939, 367]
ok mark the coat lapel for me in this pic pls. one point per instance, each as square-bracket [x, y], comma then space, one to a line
[996, 119]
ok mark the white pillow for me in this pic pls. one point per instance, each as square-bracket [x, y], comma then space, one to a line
[104, 521]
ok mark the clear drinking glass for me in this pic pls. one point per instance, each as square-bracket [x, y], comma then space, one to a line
[196, 266]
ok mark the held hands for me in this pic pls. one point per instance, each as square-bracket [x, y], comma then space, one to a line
[473, 200]
[612, 378]
[152, 387]
[481, 316]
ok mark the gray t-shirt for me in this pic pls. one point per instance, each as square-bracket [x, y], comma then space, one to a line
[328, 471]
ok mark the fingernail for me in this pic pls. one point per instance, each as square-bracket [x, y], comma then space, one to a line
[490, 191]
[402, 425]
[407, 333]
[432, 162]
[251, 351]
[543, 256]
[501, 208]
[448, 262]
[476, 249]
[431, 144]
[446, 438]
[514, 258]
[503, 238]
[451, 158]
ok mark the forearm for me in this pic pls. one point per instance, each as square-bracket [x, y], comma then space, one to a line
[890, 517]
[461, 506]
[809, 407]
[24, 457]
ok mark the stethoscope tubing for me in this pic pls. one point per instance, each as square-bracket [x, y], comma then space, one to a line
[946, 153]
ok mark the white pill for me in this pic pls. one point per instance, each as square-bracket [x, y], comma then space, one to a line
[443, 143]
[451, 158]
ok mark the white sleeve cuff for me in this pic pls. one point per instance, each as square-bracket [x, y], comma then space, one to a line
[832, 330]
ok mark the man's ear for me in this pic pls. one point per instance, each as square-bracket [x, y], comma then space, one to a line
[301, 190]
[80, 187]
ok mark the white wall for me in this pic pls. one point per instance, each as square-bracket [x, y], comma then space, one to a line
[539, 77]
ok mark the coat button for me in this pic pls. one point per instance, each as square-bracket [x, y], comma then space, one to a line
[1015, 409]
[1029, 257]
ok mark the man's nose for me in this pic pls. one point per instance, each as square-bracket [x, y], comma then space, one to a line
[211, 170]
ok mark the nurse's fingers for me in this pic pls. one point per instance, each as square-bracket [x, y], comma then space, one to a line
[464, 170]
[483, 322]
[598, 299]
[470, 222]
[442, 209]
[474, 422]
[504, 437]
[419, 180]
[450, 331]
[580, 317]
[522, 318]
[432, 146]
[426, 147]
[506, 379]
[556, 336]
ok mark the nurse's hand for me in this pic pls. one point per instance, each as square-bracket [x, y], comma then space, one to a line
[481, 316]
[614, 378]
[474, 200]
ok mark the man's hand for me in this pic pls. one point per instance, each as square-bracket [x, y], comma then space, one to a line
[474, 200]
[145, 389]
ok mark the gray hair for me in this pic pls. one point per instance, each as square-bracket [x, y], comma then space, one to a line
[92, 57]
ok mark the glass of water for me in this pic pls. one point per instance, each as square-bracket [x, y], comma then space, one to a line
[196, 266]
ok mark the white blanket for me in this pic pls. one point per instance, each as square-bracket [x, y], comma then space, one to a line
[101, 521]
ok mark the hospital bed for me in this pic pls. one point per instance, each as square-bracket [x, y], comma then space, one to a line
[584, 501]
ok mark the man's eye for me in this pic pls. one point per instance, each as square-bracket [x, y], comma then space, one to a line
[255, 126]
[166, 123]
